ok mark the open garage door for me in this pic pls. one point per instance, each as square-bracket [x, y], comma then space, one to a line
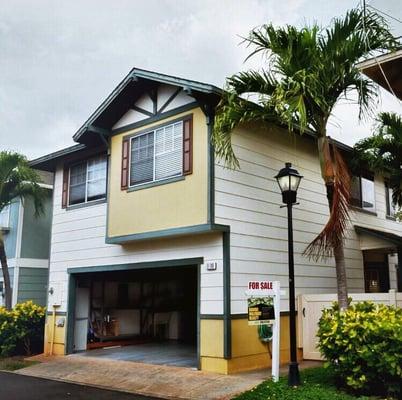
[147, 315]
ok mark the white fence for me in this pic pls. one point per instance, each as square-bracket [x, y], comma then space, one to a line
[310, 308]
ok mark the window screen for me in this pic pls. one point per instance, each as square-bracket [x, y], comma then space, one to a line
[157, 155]
[88, 180]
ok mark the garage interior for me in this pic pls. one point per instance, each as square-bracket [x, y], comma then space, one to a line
[143, 315]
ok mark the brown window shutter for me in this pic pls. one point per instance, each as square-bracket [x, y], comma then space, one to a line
[188, 146]
[64, 197]
[124, 163]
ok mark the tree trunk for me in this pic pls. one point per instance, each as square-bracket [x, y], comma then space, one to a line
[340, 265]
[6, 275]
[341, 280]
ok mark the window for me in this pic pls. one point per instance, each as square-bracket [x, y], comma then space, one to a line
[157, 155]
[5, 217]
[391, 208]
[363, 192]
[87, 181]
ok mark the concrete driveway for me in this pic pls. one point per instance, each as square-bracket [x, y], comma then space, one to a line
[19, 387]
[161, 381]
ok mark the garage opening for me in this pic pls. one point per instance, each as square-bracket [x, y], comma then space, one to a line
[143, 315]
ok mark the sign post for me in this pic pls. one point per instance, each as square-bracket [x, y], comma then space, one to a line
[264, 307]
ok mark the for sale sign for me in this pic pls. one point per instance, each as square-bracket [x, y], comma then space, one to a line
[261, 310]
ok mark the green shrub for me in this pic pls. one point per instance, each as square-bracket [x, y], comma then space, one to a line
[364, 346]
[21, 327]
[8, 338]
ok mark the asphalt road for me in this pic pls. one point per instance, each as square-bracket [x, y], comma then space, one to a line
[19, 387]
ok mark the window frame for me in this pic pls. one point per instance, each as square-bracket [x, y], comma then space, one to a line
[89, 202]
[370, 177]
[388, 202]
[8, 208]
[147, 132]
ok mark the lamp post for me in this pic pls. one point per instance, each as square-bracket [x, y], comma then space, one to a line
[289, 180]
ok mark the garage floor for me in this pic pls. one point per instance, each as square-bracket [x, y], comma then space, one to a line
[166, 353]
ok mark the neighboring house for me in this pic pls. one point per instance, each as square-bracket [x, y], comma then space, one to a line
[27, 244]
[153, 238]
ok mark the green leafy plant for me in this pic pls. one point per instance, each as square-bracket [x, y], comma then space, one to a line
[21, 327]
[363, 345]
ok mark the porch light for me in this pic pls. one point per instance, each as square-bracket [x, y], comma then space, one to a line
[288, 180]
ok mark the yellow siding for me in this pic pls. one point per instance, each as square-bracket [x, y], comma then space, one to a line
[59, 337]
[174, 205]
[211, 338]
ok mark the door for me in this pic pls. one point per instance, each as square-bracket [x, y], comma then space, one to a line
[81, 318]
[312, 307]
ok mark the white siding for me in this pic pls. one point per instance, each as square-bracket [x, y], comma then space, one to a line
[249, 201]
[78, 240]
[145, 102]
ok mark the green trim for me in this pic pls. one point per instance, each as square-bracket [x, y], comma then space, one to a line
[86, 204]
[69, 347]
[155, 183]
[186, 230]
[155, 118]
[211, 171]
[227, 326]
[198, 316]
[58, 313]
[133, 266]
[212, 316]
[142, 111]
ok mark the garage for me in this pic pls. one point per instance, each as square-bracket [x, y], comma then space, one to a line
[142, 314]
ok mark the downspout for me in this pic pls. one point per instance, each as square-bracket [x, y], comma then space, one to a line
[53, 329]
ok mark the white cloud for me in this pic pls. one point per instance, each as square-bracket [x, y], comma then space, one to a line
[60, 59]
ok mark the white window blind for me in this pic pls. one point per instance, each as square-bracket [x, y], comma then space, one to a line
[157, 155]
[88, 181]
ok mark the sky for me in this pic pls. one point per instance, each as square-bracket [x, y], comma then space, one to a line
[60, 59]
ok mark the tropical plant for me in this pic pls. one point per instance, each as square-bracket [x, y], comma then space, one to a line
[307, 72]
[17, 180]
[382, 152]
[363, 345]
[20, 328]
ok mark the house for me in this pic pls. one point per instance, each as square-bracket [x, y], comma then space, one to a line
[152, 238]
[27, 245]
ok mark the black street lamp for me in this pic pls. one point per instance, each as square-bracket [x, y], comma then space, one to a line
[289, 180]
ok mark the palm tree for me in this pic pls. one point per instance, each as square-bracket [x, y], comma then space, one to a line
[307, 72]
[382, 152]
[17, 179]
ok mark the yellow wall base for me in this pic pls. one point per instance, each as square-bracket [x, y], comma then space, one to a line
[59, 337]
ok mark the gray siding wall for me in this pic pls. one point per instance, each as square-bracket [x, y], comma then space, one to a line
[11, 271]
[10, 237]
[32, 285]
[36, 230]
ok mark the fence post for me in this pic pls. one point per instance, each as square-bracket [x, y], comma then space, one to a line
[392, 297]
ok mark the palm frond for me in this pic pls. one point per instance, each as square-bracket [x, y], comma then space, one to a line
[382, 152]
[17, 179]
[334, 231]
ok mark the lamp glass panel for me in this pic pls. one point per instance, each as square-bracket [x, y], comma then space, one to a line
[294, 182]
[284, 183]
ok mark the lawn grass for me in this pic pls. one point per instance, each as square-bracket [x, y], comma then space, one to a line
[14, 363]
[317, 384]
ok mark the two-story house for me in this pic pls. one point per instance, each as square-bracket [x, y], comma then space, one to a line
[152, 238]
[27, 245]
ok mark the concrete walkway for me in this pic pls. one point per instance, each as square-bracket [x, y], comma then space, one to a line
[152, 380]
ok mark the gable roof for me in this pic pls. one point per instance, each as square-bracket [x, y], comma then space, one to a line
[386, 71]
[128, 91]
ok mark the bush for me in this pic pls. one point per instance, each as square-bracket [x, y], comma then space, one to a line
[21, 328]
[364, 346]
